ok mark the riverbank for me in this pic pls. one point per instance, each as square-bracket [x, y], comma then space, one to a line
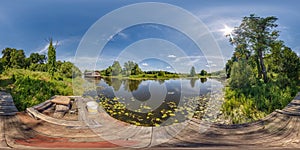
[29, 88]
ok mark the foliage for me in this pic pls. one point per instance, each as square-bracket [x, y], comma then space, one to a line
[128, 66]
[136, 70]
[192, 72]
[51, 58]
[203, 73]
[252, 39]
[161, 73]
[1, 66]
[116, 68]
[263, 72]
[108, 71]
[35, 58]
[13, 58]
[69, 70]
[30, 88]
[241, 75]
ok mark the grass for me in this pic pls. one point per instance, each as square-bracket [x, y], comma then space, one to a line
[29, 88]
[255, 102]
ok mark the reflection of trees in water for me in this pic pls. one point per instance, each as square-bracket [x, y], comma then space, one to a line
[131, 85]
[107, 81]
[161, 81]
[203, 80]
[114, 82]
[193, 81]
[92, 80]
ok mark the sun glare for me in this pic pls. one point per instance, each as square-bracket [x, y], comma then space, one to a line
[227, 30]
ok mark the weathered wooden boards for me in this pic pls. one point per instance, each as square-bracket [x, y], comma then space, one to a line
[7, 106]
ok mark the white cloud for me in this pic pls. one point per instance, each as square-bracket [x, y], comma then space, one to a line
[168, 67]
[45, 48]
[123, 35]
[145, 64]
[119, 33]
[171, 56]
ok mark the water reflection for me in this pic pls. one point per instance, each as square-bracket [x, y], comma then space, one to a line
[203, 80]
[133, 85]
[152, 102]
[193, 81]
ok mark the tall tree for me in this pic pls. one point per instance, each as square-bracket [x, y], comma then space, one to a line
[193, 72]
[12, 58]
[116, 68]
[203, 73]
[253, 39]
[128, 66]
[36, 58]
[136, 70]
[51, 58]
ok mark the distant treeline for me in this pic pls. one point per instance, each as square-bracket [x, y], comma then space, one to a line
[132, 69]
[16, 59]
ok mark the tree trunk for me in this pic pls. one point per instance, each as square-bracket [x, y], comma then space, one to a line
[259, 75]
[262, 66]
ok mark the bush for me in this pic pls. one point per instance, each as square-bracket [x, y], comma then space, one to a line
[31, 88]
[241, 75]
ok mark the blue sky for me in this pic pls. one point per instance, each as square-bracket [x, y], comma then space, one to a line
[27, 24]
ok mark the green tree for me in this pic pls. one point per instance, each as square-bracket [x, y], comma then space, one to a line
[108, 71]
[161, 73]
[253, 39]
[193, 71]
[51, 58]
[136, 70]
[12, 58]
[6, 55]
[116, 68]
[36, 58]
[69, 70]
[203, 73]
[1, 66]
[17, 59]
[241, 75]
[128, 66]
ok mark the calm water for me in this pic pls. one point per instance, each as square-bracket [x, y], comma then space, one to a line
[152, 102]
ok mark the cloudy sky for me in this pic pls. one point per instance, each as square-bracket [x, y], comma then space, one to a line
[155, 45]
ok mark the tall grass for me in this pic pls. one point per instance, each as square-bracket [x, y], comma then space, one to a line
[29, 88]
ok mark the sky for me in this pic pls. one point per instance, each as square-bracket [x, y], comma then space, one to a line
[153, 45]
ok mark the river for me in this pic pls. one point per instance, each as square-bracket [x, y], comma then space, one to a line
[160, 102]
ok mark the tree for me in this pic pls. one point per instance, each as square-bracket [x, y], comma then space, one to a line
[161, 73]
[12, 58]
[36, 58]
[136, 70]
[192, 72]
[69, 70]
[17, 59]
[241, 75]
[51, 58]
[290, 64]
[108, 71]
[203, 73]
[253, 39]
[1, 66]
[116, 68]
[6, 55]
[128, 66]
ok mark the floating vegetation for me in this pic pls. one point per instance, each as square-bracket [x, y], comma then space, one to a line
[169, 112]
